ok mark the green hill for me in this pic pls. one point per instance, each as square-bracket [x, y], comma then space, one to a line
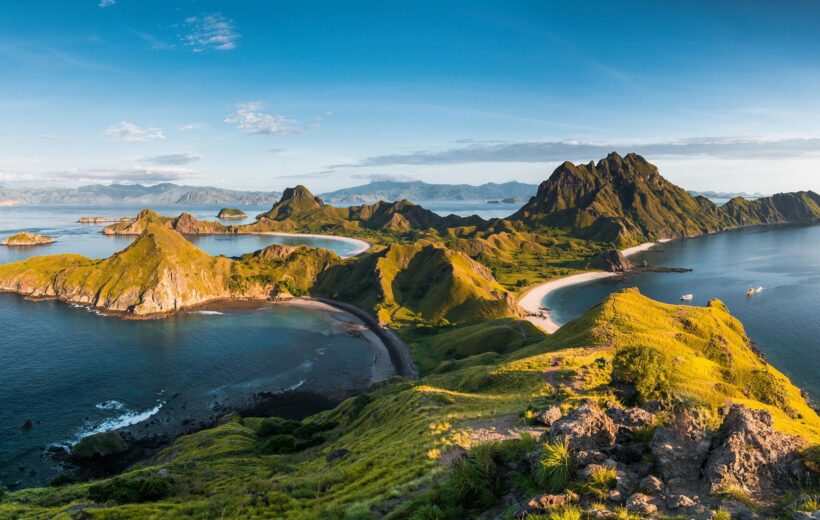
[625, 200]
[423, 282]
[185, 223]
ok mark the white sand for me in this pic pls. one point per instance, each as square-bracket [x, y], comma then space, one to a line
[361, 245]
[531, 300]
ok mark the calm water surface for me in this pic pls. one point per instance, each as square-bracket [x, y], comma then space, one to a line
[784, 319]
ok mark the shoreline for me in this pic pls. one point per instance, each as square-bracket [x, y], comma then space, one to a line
[531, 300]
[361, 245]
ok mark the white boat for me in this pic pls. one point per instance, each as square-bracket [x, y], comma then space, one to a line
[759, 289]
[687, 298]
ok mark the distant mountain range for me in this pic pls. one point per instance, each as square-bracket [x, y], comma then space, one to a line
[725, 195]
[419, 191]
[165, 193]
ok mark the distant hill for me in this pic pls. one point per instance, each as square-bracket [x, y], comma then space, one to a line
[421, 191]
[725, 195]
[165, 193]
[625, 200]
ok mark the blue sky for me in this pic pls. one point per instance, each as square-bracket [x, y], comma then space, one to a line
[265, 94]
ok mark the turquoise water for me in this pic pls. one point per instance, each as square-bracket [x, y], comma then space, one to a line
[784, 319]
[60, 223]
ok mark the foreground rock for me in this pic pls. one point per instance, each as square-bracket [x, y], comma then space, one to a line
[26, 239]
[585, 429]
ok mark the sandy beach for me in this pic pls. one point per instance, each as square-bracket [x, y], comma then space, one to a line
[531, 300]
[361, 245]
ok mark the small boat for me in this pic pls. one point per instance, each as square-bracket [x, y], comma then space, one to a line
[759, 289]
[687, 298]
[750, 291]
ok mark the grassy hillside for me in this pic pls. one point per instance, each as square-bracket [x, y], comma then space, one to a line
[397, 439]
[422, 283]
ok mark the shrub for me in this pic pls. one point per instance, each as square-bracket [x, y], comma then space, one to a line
[565, 513]
[647, 368]
[722, 514]
[476, 480]
[428, 512]
[277, 426]
[126, 490]
[556, 467]
[766, 388]
[600, 483]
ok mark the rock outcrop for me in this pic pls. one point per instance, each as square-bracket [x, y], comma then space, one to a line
[585, 429]
[613, 261]
[231, 214]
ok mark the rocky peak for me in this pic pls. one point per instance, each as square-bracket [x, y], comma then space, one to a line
[302, 194]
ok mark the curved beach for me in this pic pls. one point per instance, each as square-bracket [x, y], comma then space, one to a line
[531, 301]
[361, 245]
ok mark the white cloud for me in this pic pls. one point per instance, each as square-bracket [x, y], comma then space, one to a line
[131, 133]
[249, 118]
[210, 31]
[176, 159]
[107, 3]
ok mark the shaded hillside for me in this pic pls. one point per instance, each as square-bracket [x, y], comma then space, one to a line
[399, 449]
[625, 200]
[391, 191]
[423, 282]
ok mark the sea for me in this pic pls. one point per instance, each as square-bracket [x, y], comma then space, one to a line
[783, 319]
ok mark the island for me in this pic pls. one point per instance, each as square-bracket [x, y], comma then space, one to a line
[636, 408]
[231, 214]
[26, 239]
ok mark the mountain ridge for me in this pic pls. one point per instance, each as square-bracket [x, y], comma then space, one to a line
[421, 191]
[163, 193]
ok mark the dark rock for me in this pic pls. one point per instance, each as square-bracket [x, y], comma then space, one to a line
[585, 429]
[337, 454]
[26, 426]
[680, 449]
[748, 453]
[630, 418]
[628, 453]
[548, 416]
[585, 458]
[613, 261]
[653, 406]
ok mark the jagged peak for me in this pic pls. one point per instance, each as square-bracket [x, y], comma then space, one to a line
[299, 192]
[148, 214]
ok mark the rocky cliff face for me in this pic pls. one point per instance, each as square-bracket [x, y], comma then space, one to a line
[185, 223]
[625, 200]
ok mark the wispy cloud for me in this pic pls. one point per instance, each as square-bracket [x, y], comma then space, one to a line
[250, 119]
[131, 133]
[210, 31]
[732, 147]
[384, 177]
[134, 174]
[175, 159]
[188, 127]
[154, 42]
[107, 3]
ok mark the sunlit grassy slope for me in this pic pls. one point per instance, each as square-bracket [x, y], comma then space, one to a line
[397, 434]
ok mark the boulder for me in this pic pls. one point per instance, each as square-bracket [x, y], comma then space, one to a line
[651, 485]
[546, 503]
[679, 501]
[630, 419]
[640, 503]
[548, 416]
[585, 429]
[748, 453]
[680, 449]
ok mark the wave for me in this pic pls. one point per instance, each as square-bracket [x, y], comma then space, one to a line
[293, 387]
[120, 421]
[111, 404]
[209, 313]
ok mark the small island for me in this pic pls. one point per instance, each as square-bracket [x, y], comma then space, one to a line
[103, 220]
[231, 214]
[26, 239]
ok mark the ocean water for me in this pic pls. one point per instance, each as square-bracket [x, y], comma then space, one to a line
[60, 223]
[73, 373]
[783, 319]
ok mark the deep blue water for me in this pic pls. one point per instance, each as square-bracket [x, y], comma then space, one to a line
[73, 373]
[784, 319]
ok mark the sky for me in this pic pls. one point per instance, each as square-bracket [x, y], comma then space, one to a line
[252, 94]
